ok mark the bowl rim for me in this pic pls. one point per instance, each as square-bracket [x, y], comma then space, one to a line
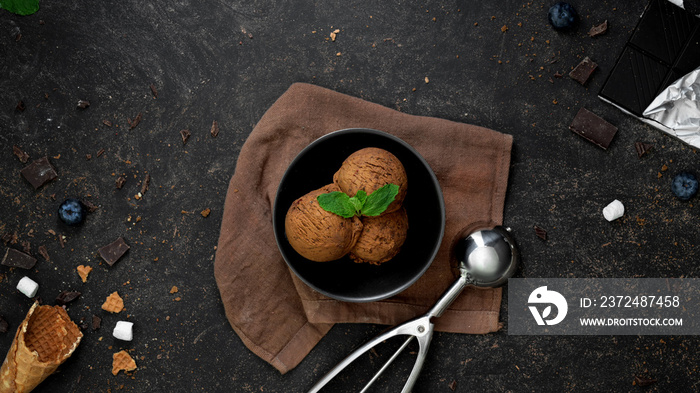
[441, 201]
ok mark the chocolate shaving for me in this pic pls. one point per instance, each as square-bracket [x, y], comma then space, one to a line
[96, 322]
[91, 207]
[120, 182]
[453, 385]
[643, 381]
[540, 232]
[83, 326]
[583, 70]
[107, 123]
[82, 104]
[20, 106]
[133, 123]
[16, 258]
[154, 91]
[39, 172]
[61, 241]
[26, 246]
[185, 134]
[145, 183]
[113, 251]
[23, 157]
[598, 29]
[642, 148]
[4, 326]
[44, 253]
[66, 297]
[100, 152]
[214, 129]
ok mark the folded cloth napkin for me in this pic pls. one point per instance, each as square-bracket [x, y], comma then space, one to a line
[276, 315]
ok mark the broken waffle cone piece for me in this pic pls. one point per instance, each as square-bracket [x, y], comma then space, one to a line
[122, 361]
[44, 340]
[113, 303]
[83, 272]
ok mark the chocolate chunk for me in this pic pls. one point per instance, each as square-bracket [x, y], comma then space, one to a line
[16, 258]
[23, 157]
[642, 148]
[541, 233]
[96, 322]
[214, 129]
[113, 251]
[66, 297]
[82, 104]
[120, 182]
[591, 127]
[44, 252]
[583, 70]
[598, 29]
[4, 326]
[185, 134]
[39, 172]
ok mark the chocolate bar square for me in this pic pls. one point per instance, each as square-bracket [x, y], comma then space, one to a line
[593, 128]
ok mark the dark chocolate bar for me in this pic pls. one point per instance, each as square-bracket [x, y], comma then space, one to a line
[16, 258]
[39, 172]
[113, 251]
[593, 128]
[664, 46]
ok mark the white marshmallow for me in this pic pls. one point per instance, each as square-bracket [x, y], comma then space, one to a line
[123, 331]
[614, 210]
[28, 287]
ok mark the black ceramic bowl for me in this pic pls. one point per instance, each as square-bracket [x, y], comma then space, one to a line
[343, 279]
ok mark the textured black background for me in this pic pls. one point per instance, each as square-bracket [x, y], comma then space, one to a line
[202, 60]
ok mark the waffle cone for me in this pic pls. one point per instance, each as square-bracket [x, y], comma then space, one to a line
[44, 340]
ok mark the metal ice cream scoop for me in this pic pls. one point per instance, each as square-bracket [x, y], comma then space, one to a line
[486, 258]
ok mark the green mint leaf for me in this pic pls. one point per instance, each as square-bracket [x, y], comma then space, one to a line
[379, 200]
[356, 204]
[358, 201]
[20, 7]
[338, 203]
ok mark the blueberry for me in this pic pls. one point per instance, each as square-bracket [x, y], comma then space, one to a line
[684, 186]
[71, 211]
[562, 16]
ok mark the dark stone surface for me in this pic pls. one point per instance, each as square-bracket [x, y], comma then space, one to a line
[205, 66]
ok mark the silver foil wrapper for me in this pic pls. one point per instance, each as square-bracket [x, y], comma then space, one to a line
[677, 109]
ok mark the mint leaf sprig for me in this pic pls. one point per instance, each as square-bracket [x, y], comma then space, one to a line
[361, 204]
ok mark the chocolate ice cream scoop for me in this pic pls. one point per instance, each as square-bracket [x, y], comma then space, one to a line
[317, 234]
[381, 238]
[369, 169]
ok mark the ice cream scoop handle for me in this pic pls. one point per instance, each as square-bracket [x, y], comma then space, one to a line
[386, 365]
[421, 328]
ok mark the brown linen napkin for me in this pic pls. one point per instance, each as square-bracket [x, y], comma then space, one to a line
[276, 315]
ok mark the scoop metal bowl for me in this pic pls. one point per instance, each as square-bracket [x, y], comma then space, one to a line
[486, 258]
